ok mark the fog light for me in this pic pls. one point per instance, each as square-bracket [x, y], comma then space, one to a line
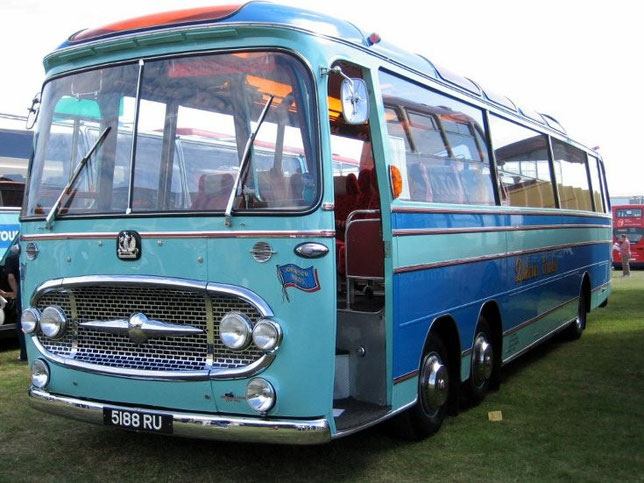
[267, 335]
[235, 331]
[53, 322]
[29, 320]
[39, 373]
[260, 395]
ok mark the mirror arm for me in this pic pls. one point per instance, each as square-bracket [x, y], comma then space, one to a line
[336, 70]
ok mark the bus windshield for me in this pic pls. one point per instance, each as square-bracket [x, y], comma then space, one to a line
[628, 213]
[178, 130]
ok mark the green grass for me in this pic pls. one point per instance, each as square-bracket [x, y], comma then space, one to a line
[572, 411]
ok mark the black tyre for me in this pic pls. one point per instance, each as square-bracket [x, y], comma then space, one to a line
[482, 366]
[576, 328]
[434, 395]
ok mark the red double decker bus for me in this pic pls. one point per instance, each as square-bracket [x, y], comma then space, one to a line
[629, 220]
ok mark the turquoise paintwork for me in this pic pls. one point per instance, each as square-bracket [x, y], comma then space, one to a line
[303, 371]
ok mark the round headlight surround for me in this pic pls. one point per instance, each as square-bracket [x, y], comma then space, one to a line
[53, 322]
[29, 320]
[260, 395]
[267, 335]
[39, 374]
[235, 331]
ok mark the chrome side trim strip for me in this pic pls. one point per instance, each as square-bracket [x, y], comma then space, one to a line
[496, 256]
[537, 342]
[602, 287]
[187, 234]
[542, 315]
[405, 377]
[195, 425]
[495, 229]
[496, 211]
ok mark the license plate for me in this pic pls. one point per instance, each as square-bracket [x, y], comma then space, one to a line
[138, 420]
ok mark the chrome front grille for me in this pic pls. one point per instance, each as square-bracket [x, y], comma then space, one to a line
[170, 305]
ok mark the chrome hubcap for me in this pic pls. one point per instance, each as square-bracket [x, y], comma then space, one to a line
[482, 359]
[434, 383]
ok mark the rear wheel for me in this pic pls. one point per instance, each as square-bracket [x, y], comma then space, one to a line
[434, 394]
[576, 329]
[482, 362]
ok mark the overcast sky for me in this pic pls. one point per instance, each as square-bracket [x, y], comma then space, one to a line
[579, 61]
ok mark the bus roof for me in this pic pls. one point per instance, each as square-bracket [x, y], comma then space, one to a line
[265, 13]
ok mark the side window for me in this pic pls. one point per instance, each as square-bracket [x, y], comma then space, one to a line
[522, 163]
[595, 181]
[437, 144]
[572, 176]
[15, 150]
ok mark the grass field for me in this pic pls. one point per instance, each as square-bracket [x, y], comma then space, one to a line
[571, 411]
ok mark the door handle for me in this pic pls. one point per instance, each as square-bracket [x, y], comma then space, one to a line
[311, 250]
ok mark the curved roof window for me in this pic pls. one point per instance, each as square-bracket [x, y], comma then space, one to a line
[553, 123]
[460, 81]
[534, 115]
[500, 100]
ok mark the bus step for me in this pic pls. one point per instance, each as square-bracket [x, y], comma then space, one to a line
[354, 414]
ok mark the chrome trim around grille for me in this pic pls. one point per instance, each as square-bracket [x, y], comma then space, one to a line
[102, 356]
[195, 425]
[213, 373]
[140, 280]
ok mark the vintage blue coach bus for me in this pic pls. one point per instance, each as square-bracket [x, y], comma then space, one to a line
[259, 223]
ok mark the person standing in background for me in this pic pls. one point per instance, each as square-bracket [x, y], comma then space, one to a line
[10, 290]
[625, 254]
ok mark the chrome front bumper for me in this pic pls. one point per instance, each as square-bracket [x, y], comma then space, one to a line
[194, 425]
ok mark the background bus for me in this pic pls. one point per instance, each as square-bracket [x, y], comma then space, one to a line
[15, 151]
[629, 220]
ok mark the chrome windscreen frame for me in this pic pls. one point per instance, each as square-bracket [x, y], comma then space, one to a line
[207, 288]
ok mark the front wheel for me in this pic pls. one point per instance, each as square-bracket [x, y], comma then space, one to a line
[434, 394]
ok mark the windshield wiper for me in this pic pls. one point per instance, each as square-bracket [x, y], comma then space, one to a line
[243, 164]
[51, 216]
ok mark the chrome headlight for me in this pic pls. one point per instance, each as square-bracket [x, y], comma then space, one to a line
[53, 322]
[39, 373]
[235, 331]
[267, 335]
[29, 320]
[260, 395]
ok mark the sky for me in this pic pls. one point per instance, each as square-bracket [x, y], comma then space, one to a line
[578, 61]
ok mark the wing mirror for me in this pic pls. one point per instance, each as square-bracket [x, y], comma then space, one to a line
[354, 97]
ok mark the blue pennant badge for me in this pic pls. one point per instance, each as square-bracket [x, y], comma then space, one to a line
[305, 279]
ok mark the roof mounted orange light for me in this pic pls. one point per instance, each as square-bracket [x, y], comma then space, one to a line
[201, 14]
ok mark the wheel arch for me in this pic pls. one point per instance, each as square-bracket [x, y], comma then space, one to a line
[445, 327]
[491, 311]
[585, 290]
